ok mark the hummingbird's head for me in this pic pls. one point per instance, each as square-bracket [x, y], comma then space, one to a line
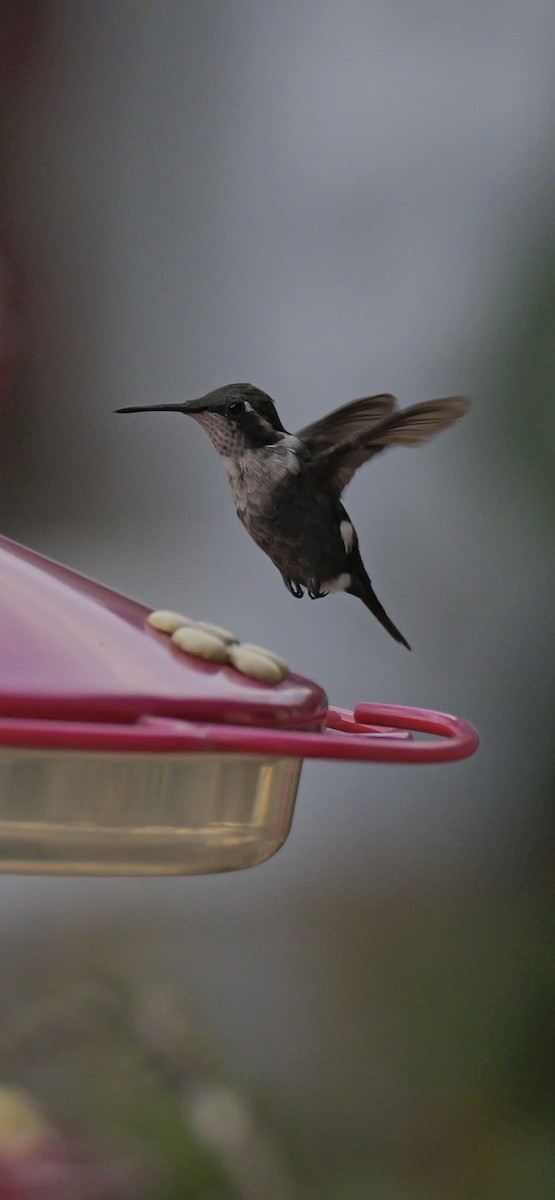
[237, 417]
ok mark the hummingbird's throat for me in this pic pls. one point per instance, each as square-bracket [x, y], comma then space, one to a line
[221, 434]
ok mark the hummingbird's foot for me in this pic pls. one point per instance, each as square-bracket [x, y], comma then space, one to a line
[314, 590]
[295, 588]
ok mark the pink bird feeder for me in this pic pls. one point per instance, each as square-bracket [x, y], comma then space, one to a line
[121, 754]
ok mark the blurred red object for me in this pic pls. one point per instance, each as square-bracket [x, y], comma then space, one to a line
[37, 1163]
[21, 29]
[10, 327]
[21, 26]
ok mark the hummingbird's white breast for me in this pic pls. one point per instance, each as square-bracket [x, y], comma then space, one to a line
[254, 474]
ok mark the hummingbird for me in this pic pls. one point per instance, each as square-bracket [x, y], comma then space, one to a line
[287, 487]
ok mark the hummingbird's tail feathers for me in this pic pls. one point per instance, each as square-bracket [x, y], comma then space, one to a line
[362, 588]
[418, 423]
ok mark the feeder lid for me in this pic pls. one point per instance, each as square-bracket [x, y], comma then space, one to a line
[73, 650]
[81, 669]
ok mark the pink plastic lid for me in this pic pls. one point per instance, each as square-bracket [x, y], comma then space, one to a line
[80, 669]
[71, 649]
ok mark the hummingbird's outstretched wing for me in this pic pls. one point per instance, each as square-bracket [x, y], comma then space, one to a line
[356, 418]
[334, 466]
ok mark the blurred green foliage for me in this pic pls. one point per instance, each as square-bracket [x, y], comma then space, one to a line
[464, 993]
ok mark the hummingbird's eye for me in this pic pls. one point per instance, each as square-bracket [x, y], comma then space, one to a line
[236, 408]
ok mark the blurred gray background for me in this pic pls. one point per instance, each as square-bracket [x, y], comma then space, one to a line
[326, 200]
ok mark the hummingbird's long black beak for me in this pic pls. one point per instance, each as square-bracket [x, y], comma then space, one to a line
[192, 407]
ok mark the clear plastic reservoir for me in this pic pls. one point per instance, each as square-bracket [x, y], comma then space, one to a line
[95, 813]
